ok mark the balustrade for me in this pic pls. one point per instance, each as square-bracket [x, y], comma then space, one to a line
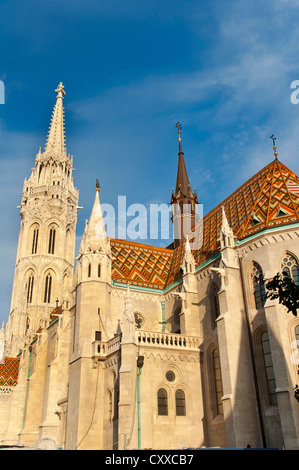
[170, 340]
[103, 349]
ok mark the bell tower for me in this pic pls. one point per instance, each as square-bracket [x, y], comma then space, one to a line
[46, 247]
[183, 200]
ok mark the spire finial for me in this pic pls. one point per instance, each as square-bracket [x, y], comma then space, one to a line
[179, 128]
[60, 91]
[274, 146]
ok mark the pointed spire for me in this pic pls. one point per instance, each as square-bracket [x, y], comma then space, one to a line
[56, 137]
[189, 262]
[274, 146]
[225, 225]
[183, 200]
[95, 231]
[182, 180]
[128, 301]
[187, 245]
[226, 235]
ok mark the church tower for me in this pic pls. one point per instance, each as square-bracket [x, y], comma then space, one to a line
[93, 326]
[92, 279]
[183, 200]
[46, 247]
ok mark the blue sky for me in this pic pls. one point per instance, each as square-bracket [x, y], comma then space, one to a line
[131, 70]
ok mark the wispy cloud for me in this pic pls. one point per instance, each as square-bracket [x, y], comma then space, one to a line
[229, 85]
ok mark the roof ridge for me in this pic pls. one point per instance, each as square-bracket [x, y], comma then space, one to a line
[239, 188]
[291, 198]
[258, 197]
[138, 244]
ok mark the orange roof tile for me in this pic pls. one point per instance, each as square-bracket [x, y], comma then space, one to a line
[268, 199]
[9, 371]
[140, 265]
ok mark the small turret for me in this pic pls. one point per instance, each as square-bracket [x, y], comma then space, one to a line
[95, 233]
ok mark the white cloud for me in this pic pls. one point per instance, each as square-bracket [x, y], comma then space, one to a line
[231, 99]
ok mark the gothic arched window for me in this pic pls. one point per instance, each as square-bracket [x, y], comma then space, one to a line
[30, 283]
[51, 247]
[180, 405]
[258, 285]
[99, 270]
[214, 302]
[27, 325]
[217, 381]
[162, 402]
[34, 240]
[89, 270]
[48, 287]
[269, 368]
[290, 268]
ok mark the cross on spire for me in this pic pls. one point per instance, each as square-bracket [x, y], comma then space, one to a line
[274, 146]
[179, 128]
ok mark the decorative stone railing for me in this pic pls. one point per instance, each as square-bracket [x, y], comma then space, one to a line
[103, 349]
[168, 340]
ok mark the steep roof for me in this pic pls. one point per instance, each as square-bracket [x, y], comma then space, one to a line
[94, 233]
[140, 265]
[182, 179]
[182, 187]
[269, 199]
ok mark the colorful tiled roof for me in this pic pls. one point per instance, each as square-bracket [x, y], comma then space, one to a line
[268, 199]
[9, 371]
[140, 265]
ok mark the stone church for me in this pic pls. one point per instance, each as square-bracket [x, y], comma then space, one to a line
[131, 346]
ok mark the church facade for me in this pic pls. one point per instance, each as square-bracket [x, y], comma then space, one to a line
[137, 346]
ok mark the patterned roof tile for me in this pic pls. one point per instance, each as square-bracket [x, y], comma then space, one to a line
[140, 265]
[268, 199]
[9, 371]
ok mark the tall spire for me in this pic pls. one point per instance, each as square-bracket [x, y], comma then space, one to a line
[56, 136]
[274, 146]
[183, 200]
[182, 180]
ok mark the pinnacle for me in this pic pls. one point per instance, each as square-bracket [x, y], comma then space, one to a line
[56, 135]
